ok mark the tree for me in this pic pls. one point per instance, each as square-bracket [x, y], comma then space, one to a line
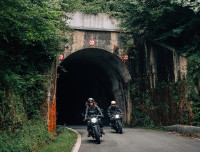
[193, 4]
[31, 33]
[160, 20]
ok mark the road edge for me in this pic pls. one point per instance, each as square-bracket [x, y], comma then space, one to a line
[78, 141]
[194, 130]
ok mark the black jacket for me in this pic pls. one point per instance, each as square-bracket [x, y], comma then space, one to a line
[113, 110]
[89, 111]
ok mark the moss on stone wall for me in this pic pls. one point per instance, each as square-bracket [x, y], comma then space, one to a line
[166, 103]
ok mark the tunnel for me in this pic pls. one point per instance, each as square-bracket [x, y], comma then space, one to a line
[89, 73]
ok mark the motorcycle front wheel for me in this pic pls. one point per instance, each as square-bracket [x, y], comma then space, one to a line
[97, 135]
[120, 127]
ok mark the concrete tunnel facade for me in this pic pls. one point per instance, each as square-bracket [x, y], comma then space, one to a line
[89, 71]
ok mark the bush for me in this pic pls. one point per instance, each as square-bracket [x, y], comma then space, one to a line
[63, 142]
[29, 138]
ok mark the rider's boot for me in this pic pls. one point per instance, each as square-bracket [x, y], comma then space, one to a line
[88, 134]
[111, 125]
[102, 132]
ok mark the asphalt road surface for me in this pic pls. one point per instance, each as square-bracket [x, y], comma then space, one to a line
[137, 140]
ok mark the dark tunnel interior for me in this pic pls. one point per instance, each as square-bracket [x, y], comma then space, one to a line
[79, 79]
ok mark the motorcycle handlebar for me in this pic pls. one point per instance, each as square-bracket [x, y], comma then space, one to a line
[99, 116]
[118, 113]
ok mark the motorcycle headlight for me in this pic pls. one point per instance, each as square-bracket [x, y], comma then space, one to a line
[116, 116]
[94, 120]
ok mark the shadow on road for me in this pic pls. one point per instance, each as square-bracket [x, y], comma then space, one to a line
[114, 132]
[91, 141]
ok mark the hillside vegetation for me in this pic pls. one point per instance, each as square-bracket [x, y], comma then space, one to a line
[31, 35]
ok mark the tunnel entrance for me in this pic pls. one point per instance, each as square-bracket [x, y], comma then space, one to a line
[84, 74]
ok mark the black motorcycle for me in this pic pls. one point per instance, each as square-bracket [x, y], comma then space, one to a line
[117, 122]
[95, 128]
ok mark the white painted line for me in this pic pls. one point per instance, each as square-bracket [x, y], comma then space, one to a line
[78, 142]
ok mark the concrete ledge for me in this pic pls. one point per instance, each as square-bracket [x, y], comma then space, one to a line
[184, 129]
[99, 22]
[78, 142]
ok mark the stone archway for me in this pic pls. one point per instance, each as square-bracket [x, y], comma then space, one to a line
[94, 73]
[106, 55]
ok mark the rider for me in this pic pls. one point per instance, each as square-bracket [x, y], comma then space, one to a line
[93, 109]
[112, 110]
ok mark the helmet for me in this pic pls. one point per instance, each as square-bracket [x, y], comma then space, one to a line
[113, 102]
[90, 100]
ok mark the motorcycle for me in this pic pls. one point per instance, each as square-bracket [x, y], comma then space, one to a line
[117, 122]
[95, 128]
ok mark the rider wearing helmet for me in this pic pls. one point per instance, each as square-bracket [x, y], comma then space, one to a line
[92, 108]
[112, 110]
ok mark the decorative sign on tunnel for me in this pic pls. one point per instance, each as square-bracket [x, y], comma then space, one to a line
[61, 57]
[91, 42]
[125, 57]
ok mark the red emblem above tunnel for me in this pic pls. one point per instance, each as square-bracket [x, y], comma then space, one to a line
[91, 42]
[125, 57]
[61, 57]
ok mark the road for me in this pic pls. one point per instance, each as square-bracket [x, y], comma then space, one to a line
[137, 140]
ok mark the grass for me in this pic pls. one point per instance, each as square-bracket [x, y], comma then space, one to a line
[28, 138]
[64, 142]
[33, 136]
[159, 128]
[149, 127]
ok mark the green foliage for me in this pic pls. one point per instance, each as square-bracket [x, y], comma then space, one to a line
[171, 23]
[139, 116]
[71, 5]
[30, 137]
[92, 6]
[156, 20]
[174, 91]
[161, 85]
[31, 34]
[194, 86]
[193, 4]
[142, 119]
[132, 89]
[63, 142]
